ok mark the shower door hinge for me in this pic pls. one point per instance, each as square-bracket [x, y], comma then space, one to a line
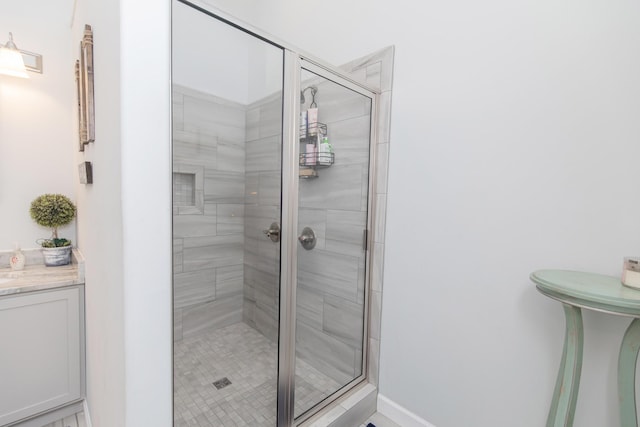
[365, 240]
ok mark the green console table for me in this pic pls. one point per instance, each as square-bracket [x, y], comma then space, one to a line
[577, 290]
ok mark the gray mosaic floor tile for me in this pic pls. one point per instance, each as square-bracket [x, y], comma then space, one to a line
[249, 361]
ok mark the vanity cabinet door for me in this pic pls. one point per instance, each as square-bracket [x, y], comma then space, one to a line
[39, 352]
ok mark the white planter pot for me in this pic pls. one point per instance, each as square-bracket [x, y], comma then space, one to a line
[56, 256]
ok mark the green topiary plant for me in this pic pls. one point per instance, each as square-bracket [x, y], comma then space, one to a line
[53, 211]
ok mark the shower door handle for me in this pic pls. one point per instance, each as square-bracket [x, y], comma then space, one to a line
[273, 232]
[307, 238]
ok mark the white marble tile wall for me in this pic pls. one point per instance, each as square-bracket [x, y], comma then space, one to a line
[330, 297]
[377, 70]
[331, 277]
[227, 271]
[262, 207]
[209, 141]
[235, 268]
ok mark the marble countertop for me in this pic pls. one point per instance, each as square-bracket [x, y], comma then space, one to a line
[37, 277]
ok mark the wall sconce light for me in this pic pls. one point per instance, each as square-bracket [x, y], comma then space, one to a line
[15, 62]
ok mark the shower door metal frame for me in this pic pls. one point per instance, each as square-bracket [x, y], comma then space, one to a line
[294, 61]
[294, 64]
[288, 241]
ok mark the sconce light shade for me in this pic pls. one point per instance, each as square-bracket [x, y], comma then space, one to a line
[11, 62]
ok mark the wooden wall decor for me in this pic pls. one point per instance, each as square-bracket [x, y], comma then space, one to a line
[84, 83]
[81, 120]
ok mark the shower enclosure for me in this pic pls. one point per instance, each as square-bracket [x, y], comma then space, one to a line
[272, 159]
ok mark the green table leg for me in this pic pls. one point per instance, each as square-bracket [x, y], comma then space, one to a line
[565, 394]
[627, 374]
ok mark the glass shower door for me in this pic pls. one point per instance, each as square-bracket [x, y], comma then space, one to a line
[227, 144]
[270, 221]
[333, 205]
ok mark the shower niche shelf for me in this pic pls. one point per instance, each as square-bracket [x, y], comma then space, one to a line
[312, 157]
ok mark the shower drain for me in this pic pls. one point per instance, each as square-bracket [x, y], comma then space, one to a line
[222, 383]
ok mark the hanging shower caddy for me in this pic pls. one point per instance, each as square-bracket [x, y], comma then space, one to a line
[315, 150]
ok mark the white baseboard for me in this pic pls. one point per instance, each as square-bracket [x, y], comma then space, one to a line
[399, 414]
[87, 416]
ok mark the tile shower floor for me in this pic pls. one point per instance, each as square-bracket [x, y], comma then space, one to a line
[249, 360]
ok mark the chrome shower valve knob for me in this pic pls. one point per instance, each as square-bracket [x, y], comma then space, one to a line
[273, 232]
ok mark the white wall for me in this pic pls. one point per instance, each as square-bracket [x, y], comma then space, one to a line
[124, 216]
[146, 210]
[36, 128]
[100, 219]
[514, 147]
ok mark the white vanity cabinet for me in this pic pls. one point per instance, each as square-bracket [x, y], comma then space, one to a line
[41, 352]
